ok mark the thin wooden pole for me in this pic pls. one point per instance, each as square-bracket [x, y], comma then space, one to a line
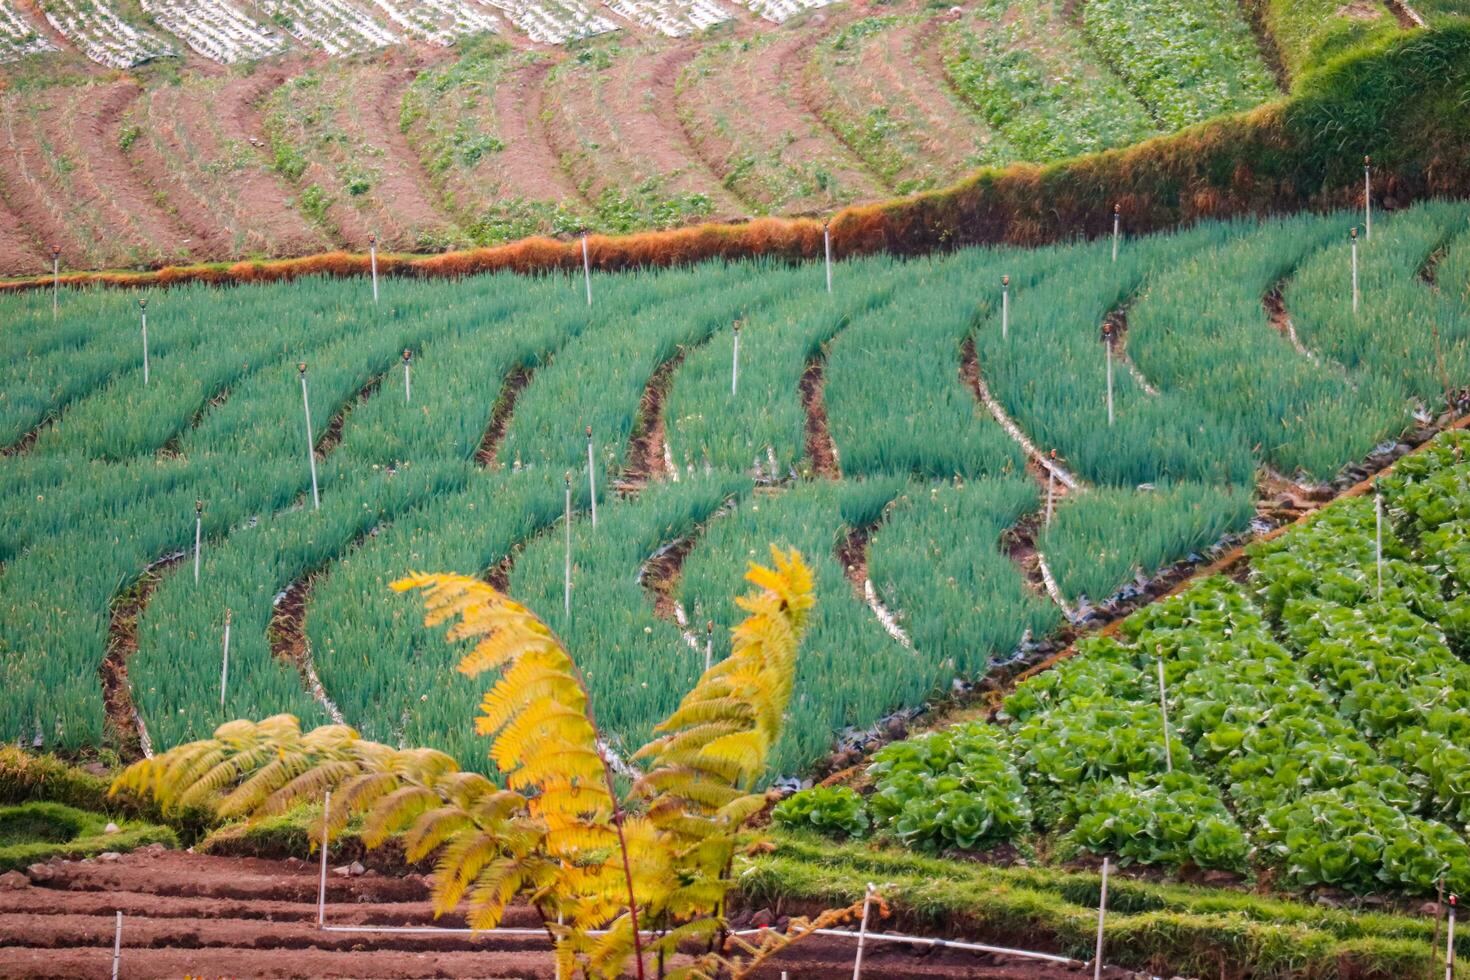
[1108, 356]
[407, 377]
[143, 315]
[224, 671]
[735, 362]
[592, 475]
[1102, 913]
[827, 251]
[1449, 950]
[1368, 198]
[373, 254]
[1117, 228]
[198, 535]
[117, 946]
[586, 269]
[857, 965]
[1353, 236]
[567, 588]
[316, 500]
[1164, 714]
[1378, 535]
[1005, 307]
[55, 281]
[321, 888]
[709, 644]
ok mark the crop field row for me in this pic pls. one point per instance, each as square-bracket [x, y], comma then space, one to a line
[1315, 712]
[853, 430]
[681, 113]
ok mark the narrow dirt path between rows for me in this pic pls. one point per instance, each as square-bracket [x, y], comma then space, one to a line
[646, 458]
[1406, 15]
[970, 373]
[124, 726]
[1118, 321]
[287, 637]
[500, 414]
[821, 449]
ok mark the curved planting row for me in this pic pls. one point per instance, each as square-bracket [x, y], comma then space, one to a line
[919, 589]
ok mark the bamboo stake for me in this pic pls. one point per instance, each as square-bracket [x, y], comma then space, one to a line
[567, 589]
[1102, 913]
[198, 535]
[735, 361]
[591, 476]
[1353, 236]
[224, 671]
[316, 500]
[1005, 307]
[1449, 951]
[1117, 228]
[1378, 535]
[117, 946]
[827, 250]
[321, 888]
[1368, 198]
[373, 254]
[586, 269]
[709, 644]
[55, 281]
[857, 965]
[407, 379]
[1164, 714]
[143, 314]
[1108, 343]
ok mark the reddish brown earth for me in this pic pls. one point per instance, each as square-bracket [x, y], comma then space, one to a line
[186, 914]
[821, 449]
[531, 168]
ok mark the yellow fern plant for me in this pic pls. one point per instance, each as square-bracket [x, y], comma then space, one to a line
[615, 876]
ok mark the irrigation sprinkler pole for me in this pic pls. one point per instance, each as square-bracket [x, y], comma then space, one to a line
[591, 476]
[1117, 228]
[586, 269]
[321, 887]
[1005, 307]
[373, 259]
[198, 535]
[1378, 535]
[117, 945]
[1368, 198]
[567, 589]
[143, 315]
[224, 671]
[1108, 343]
[55, 281]
[1449, 950]
[1102, 913]
[316, 500]
[709, 644]
[407, 379]
[1164, 714]
[1353, 237]
[827, 251]
[857, 964]
[735, 361]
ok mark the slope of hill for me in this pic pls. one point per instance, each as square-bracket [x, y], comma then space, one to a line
[292, 133]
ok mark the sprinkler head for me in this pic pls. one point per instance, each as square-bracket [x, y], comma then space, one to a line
[198, 507]
[1005, 281]
[407, 355]
[301, 367]
[589, 432]
[142, 303]
[56, 251]
[1367, 161]
[372, 239]
[1353, 234]
[568, 479]
[709, 627]
[1117, 209]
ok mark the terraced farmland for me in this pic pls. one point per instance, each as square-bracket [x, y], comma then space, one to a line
[891, 429]
[137, 135]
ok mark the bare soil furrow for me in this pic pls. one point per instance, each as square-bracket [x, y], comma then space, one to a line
[289, 642]
[1406, 15]
[791, 78]
[530, 167]
[821, 450]
[96, 962]
[124, 726]
[646, 458]
[970, 372]
[500, 415]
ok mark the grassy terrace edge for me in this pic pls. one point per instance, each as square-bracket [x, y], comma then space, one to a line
[1405, 100]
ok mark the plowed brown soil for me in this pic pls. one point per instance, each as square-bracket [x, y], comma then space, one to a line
[187, 914]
